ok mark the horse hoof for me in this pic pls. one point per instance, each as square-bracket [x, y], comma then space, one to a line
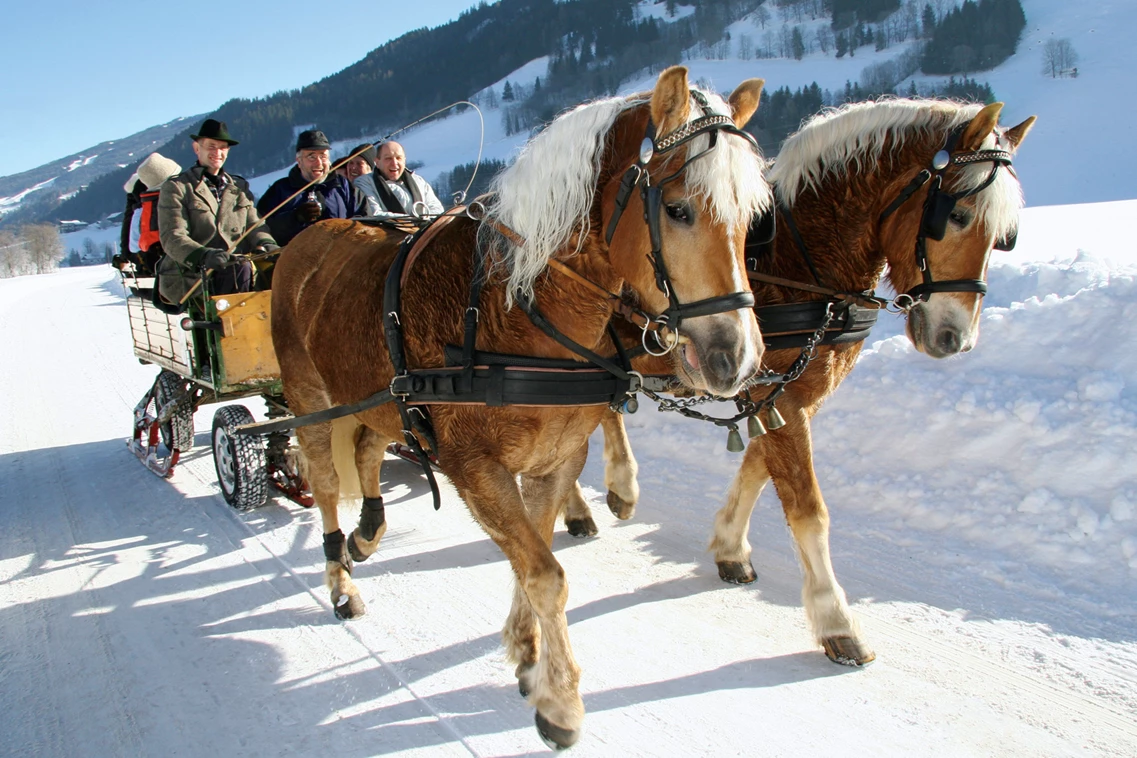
[848, 651]
[581, 527]
[736, 572]
[354, 551]
[554, 736]
[620, 507]
[349, 607]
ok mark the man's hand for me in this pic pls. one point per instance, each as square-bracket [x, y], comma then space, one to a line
[309, 212]
[214, 260]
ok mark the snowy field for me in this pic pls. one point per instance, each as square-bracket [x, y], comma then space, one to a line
[984, 527]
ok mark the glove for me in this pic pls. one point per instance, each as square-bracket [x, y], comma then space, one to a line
[214, 260]
[309, 212]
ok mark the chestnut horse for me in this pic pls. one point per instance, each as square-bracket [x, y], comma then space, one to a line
[552, 242]
[857, 188]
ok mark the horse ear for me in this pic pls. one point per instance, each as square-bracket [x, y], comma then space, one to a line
[1015, 134]
[983, 124]
[744, 100]
[670, 100]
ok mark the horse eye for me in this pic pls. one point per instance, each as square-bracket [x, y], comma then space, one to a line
[680, 212]
[959, 218]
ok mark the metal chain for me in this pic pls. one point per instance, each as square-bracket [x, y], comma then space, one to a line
[746, 406]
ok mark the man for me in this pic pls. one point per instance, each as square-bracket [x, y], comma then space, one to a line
[361, 163]
[395, 190]
[202, 212]
[330, 195]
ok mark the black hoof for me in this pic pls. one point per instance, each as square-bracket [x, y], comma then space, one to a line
[848, 651]
[581, 527]
[620, 508]
[737, 572]
[353, 549]
[554, 736]
[349, 607]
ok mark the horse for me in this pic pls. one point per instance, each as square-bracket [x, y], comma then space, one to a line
[531, 271]
[859, 188]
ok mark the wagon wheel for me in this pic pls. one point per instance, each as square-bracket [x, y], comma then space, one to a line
[239, 459]
[177, 434]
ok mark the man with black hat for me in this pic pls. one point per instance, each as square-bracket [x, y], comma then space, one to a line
[202, 212]
[329, 196]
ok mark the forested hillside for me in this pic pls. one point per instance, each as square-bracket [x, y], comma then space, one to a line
[593, 47]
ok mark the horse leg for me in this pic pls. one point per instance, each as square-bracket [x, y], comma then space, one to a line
[732, 522]
[369, 452]
[536, 631]
[620, 467]
[790, 462]
[316, 444]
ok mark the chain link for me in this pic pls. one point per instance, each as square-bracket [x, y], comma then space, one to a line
[747, 407]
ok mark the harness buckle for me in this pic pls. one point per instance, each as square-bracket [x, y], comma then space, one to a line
[397, 381]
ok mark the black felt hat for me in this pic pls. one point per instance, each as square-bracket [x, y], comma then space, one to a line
[213, 129]
[313, 139]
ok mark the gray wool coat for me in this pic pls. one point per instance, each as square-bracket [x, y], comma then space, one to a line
[192, 221]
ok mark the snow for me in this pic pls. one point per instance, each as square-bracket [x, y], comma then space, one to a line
[983, 525]
[659, 11]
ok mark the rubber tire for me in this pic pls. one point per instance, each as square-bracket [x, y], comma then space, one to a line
[239, 459]
[178, 433]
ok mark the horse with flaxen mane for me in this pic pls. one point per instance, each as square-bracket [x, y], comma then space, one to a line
[530, 276]
[923, 187]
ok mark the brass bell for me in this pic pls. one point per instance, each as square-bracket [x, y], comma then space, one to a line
[774, 419]
[754, 427]
[734, 441]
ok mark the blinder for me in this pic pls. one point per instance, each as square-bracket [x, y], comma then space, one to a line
[651, 195]
[938, 207]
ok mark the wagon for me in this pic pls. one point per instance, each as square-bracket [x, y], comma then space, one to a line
[216, 355]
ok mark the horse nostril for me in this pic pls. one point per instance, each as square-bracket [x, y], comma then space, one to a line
[948, 342]
[722, 365]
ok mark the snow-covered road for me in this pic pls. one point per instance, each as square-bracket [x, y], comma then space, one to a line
[145, 617]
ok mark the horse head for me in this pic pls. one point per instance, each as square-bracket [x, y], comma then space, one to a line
[970, 204]
[700, 180]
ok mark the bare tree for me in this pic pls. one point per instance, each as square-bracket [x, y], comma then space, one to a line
[824, 38]
[13, 255]
[1059, 58]
[44, 246]
[90, 250]
[745, 47]
[762, 16]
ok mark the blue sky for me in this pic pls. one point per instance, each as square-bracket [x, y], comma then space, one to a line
[79, 72]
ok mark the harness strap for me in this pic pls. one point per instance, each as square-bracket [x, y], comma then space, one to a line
[790, 325]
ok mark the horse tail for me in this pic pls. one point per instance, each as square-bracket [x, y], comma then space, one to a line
[345, 435]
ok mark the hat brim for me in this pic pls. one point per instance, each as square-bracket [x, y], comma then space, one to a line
[196, 137]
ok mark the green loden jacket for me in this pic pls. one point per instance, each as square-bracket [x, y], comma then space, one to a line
[191, 221]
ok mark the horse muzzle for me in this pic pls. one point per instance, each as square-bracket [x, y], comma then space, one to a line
[718, 353]
[940, 332]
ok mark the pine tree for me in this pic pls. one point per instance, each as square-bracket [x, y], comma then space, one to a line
[507, 93]
[798, 44]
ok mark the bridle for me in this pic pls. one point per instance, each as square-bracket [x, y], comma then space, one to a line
[651, 195]
[938, 206]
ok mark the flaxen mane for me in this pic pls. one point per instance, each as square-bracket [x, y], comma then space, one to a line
[546, 195]
[856, 135]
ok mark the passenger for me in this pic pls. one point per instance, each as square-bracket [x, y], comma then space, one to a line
[144, 238]
[128, 233]
[332, 196]
[395, 190]
[201, 213]
[362, 162]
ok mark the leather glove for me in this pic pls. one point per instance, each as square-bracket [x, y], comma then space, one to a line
[309, 212]
[213, 260]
